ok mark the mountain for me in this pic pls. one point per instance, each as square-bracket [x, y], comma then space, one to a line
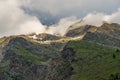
[23, 59]
[86, 52]
[107, 34]
[45, 37]
[79, 28]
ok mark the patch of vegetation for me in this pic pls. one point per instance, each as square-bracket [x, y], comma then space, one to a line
[5, 63]
[19, 50]
[94, 61]
[2, 39]
[115, 76]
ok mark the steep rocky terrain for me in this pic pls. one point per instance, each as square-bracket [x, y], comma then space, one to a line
[107, 34]
[85, 53]
[79, 28]
[25, 60]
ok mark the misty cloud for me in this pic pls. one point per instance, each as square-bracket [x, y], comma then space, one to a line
[72, 7]
[14, 20]
[62, 26]
[98, 18]
[51, 11]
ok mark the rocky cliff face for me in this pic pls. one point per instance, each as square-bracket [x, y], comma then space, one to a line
[78, 31]
[79, 28]
[60, 67]
[107, 34]
[112, 30]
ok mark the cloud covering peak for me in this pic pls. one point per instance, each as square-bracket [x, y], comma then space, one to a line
[15, 20]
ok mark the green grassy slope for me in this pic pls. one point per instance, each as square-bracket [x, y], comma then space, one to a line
[79, 60]
[95, 62]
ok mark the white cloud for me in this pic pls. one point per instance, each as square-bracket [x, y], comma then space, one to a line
[14, 21]
[61, 7]
[114, 17]
[98, 18]
[62, 26]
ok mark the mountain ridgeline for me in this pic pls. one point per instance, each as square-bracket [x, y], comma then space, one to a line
[86, 52]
